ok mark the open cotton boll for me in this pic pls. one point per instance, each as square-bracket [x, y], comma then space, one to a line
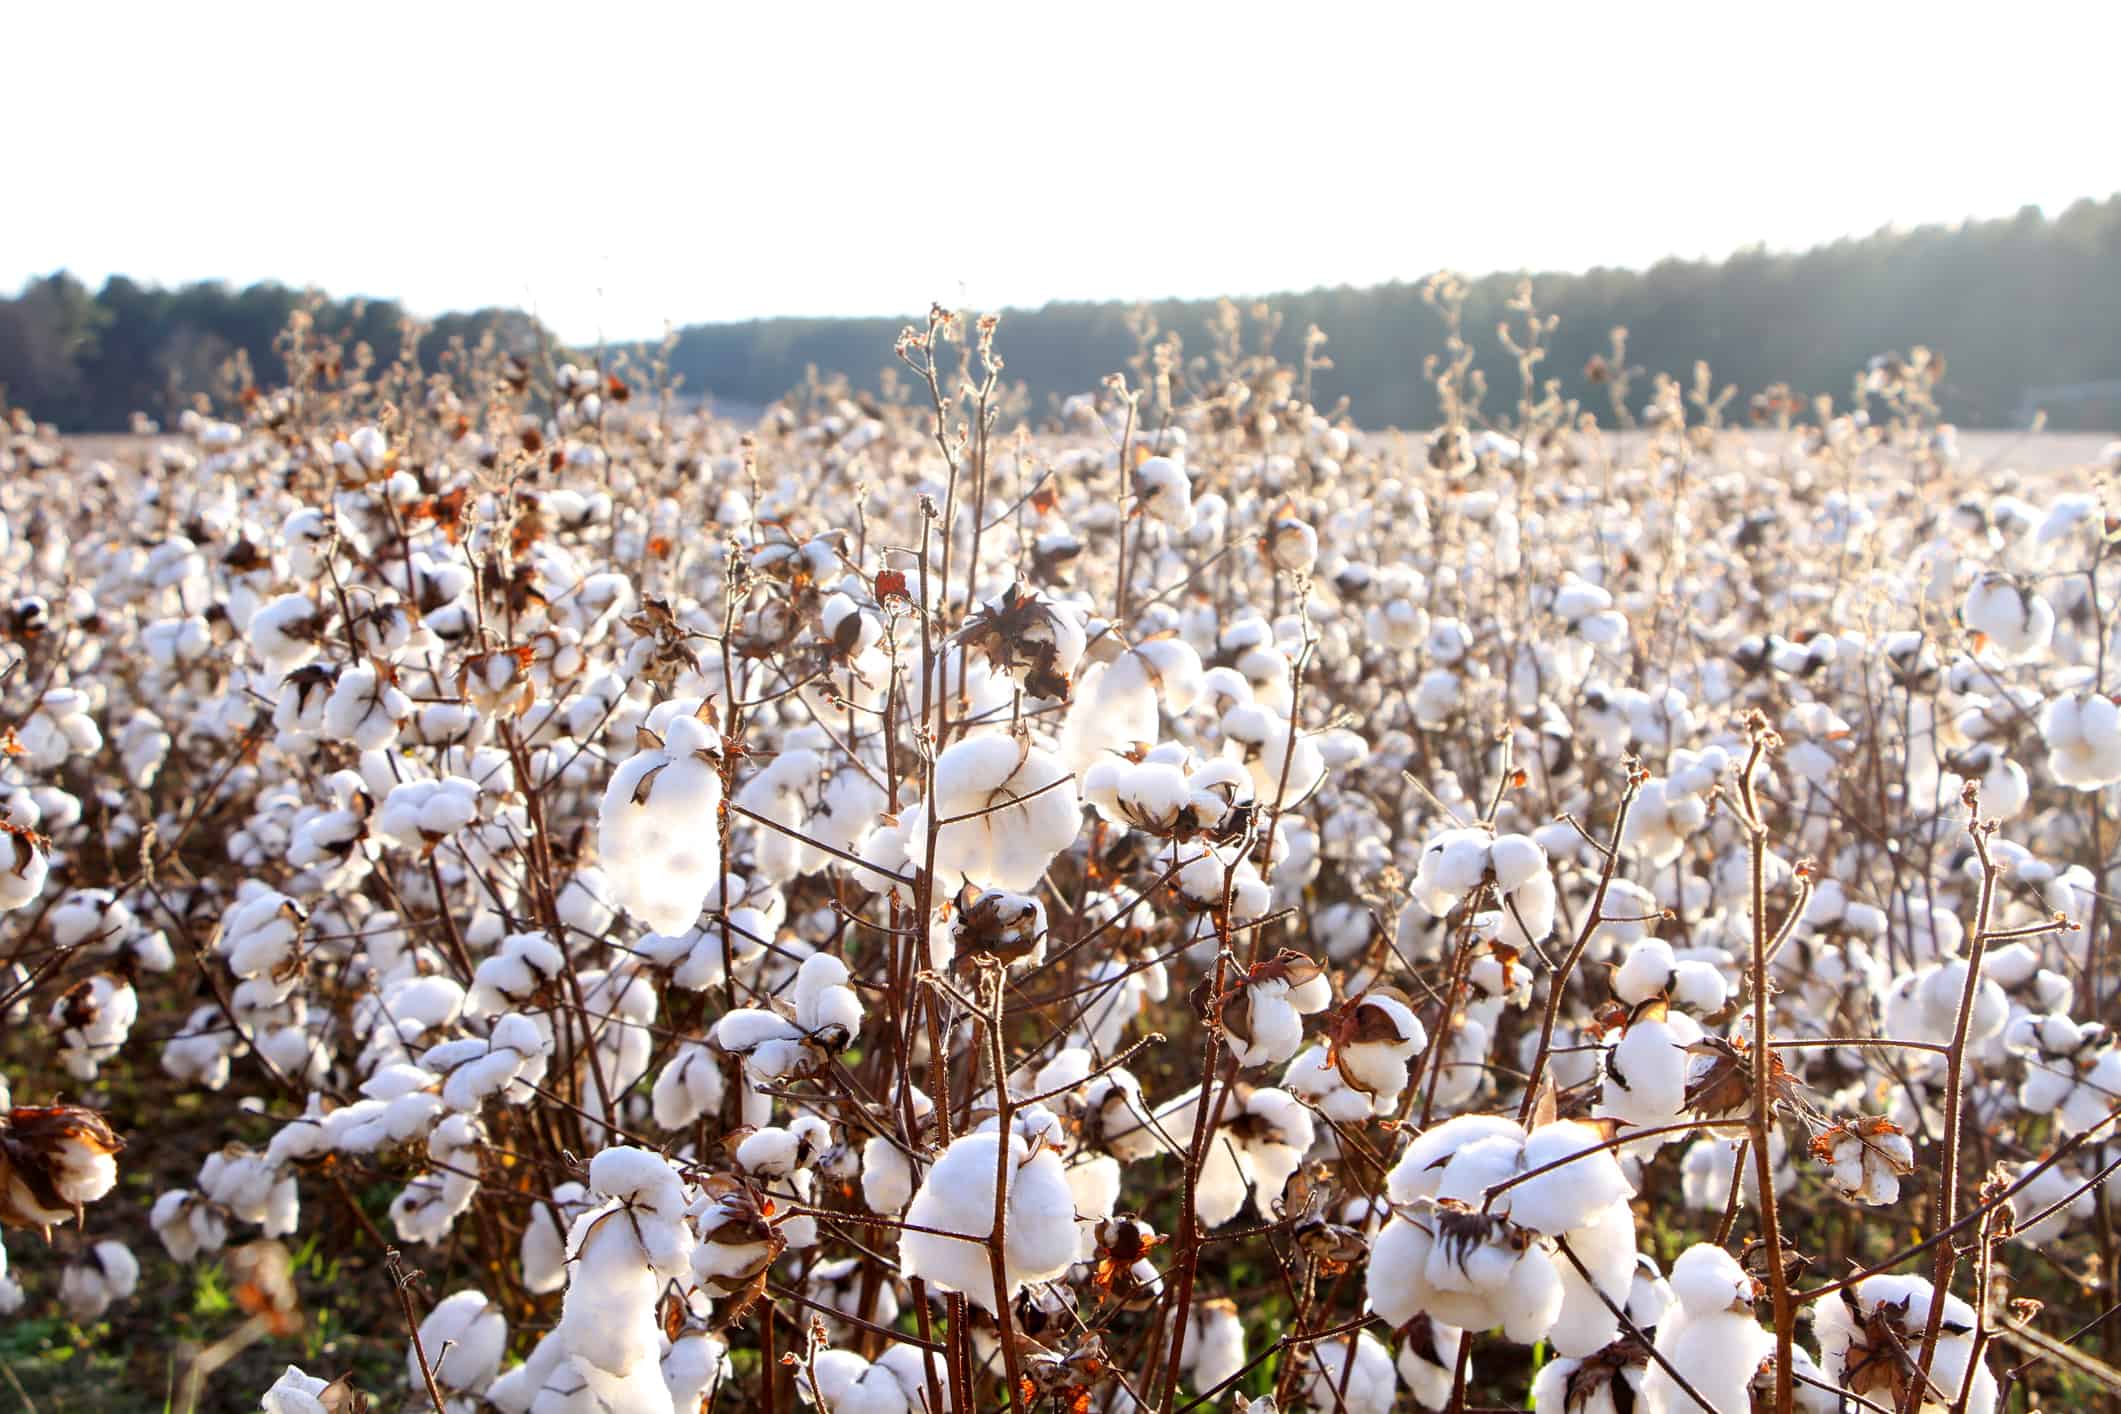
[958, 1195]
[1860, 1327]
[1166, 493]
[1357, 1379]
[93, 1018]
[689, 1086]
[294, 1393]
[423, 813]
[1382, 1040]
[1867, 1157]
[1646, 1072]
[825, 1005]
[620, 1255]
[695, 1368]
[657, 828]
[2017, 621]
[1005, 808]
[1286, 766]
[464, 1336]
[1029, 636]
[842, 1382]
[1576, 1193]
[2037, 1189]
[2083, 735]
[107, 1272]
[1264, 1015]
[365, 708]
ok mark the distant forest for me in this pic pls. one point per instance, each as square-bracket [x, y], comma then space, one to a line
[2026, 309]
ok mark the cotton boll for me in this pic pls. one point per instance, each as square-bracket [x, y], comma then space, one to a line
[2083, 734]
[1357, 1379]
[958, 1195]
[1166, 494]
[689, 1086]
[1859, 1327]
[464, 1337]
[657, 826]
[2018, 622]
[107, 1272]
[1646, 1073]
[294, 1393]
[1291, 545]
[1005, 809]
[1606, 1248]
[825, 1006]
[1868, 1158]
[1573, 1195]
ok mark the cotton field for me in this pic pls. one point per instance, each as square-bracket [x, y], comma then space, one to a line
[1174, 901]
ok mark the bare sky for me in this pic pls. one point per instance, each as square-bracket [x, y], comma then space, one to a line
[614, 166]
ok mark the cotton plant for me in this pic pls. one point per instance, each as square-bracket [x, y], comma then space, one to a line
[611, 832]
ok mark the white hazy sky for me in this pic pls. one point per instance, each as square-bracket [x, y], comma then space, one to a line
[614, 166]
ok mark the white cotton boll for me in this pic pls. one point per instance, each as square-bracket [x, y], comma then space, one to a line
[1716, 1353]
[93, 1019]
[2017, 621]
[958, 1195]
[620, 1259]
[365, 708]
[424, 813]
[1215, 1344]
[1867, 1159]
[2083, 735]
[845, 1383]
[1393, 1281]
[106, 1273]
[1357, 1381]
[1555, 1390]
[1706, 1279]
[1576, 1193]
[24, 861]
[887, 1176]
[1453, 864]
[657, 826]
[294, 1393]
[694, 1370]
[825, 1005]
[1646, 1074]
[284, 633]
[1291, 545]
[464, 1336]
[1644, 973]
[1006, 809]
[1902, 1303]
[1606, 1248]
[1166, 494]
[689, 1086]
[2037, 1191]
[1376, 1060]
[1286, 765]
[187, 1224]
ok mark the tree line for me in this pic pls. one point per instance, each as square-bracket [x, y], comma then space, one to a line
[2026, 309]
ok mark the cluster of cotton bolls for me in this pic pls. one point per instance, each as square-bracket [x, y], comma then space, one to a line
[1194, 902]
